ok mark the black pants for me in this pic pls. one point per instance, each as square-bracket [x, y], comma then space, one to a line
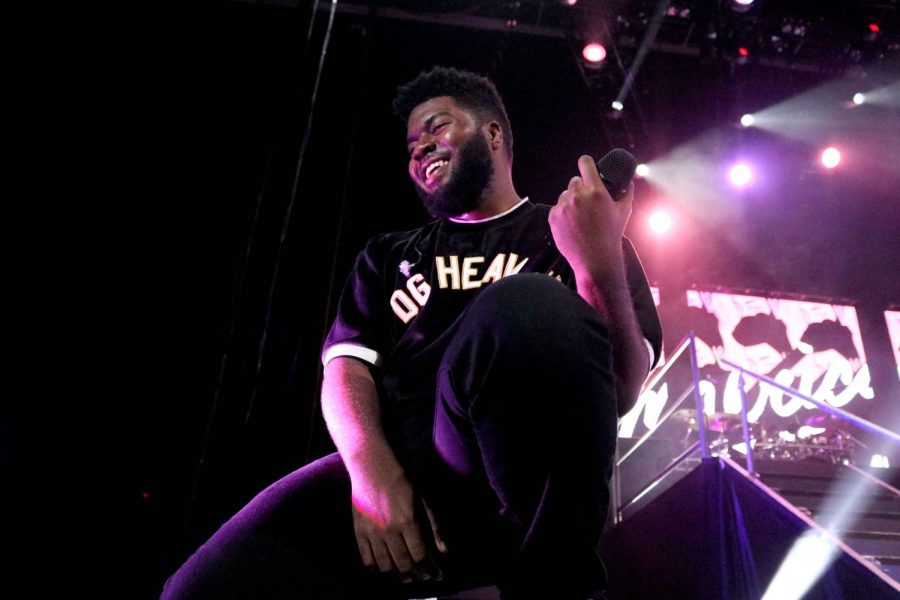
[524, 435]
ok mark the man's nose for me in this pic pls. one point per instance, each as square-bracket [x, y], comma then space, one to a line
[423, 146]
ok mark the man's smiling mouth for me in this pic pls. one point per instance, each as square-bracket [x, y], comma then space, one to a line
[431, 168]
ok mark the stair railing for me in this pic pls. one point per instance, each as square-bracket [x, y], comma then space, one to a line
[878, 430]
[688, 347]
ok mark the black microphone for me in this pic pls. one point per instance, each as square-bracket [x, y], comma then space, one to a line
[617, 170]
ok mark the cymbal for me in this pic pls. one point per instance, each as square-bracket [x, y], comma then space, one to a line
[687, 416]
[722, 422]
[821, 420]
[684, 414]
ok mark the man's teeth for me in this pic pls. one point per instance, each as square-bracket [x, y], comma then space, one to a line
[433, 166]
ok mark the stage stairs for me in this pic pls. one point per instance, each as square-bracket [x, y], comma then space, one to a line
[862, 510]
[697, 517]
[715, 531]
[720, 532]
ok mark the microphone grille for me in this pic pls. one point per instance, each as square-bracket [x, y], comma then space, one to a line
[616, 169]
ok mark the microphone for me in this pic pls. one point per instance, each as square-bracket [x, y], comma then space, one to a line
[616, 170]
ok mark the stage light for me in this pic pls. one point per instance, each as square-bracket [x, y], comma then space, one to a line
[642, 170]
[678, 12]
[594, 52]
[743, 52]
[880, 461]
[831, 157]
[740, 175]
[660, 222]
[617, 105]
[741, 6]
[874, 28]
[747, 120]
[859, 98]
[743, 2]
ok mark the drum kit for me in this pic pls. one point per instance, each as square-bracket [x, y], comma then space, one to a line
[820, 437]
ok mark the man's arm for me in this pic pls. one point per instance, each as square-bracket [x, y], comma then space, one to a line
[588, 226]
[385, 508]
[608, 293]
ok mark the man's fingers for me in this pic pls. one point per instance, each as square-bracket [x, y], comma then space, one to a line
[382, 557]
[415, 545]
[438, 541]
[575, 184]
[365, 551]
[401, 556]
[589, 174]
[628, 196]
[421, 557]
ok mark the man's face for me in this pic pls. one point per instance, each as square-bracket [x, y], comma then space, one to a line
[450, 160]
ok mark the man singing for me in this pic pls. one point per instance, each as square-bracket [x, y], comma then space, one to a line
[473, 378]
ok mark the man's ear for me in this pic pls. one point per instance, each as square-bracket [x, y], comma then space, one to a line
[495, 133]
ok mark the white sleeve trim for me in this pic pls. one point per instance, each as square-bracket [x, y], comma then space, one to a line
[361, 352]
[652, 354]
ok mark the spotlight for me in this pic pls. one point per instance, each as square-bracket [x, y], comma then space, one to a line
[617, 105]
[831, 157]
[859, 98]
[740, 175]
[594, 52]
[682, 12]
[660, 222]
[874, 28]
[748, 120]
[642, 170]
[743, 52]
[741, 6]
[880, 461]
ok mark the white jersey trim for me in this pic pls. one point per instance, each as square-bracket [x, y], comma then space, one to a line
[361, 352]
[485, 220]
[652, 354]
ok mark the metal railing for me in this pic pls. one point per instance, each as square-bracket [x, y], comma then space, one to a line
[832, 410]
[688, 346]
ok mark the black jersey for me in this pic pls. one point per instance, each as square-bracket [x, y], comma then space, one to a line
[408, 289]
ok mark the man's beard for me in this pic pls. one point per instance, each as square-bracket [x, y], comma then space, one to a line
[462, 192]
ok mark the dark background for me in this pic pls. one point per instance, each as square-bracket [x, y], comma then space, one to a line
[215, 262]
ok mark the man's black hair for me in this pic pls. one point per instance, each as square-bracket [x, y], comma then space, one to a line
[470, 90]
[762, 328]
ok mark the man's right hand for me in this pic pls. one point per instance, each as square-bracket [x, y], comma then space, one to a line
[388, 519]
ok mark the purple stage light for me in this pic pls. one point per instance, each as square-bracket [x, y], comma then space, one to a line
[660, 222]
[740, 175]
[831, 157]
[594, 52]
